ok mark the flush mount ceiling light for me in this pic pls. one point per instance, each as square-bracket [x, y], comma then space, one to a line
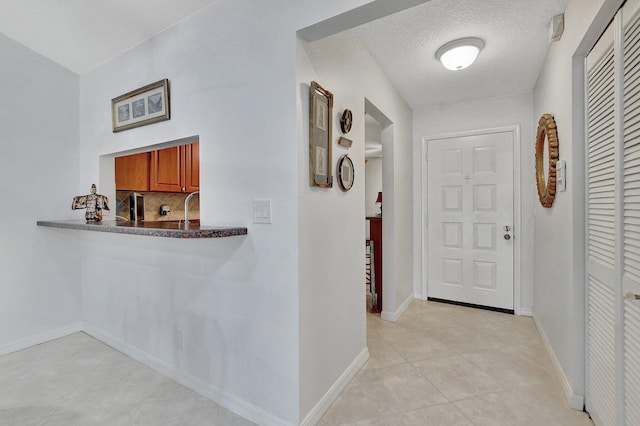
[459, 54]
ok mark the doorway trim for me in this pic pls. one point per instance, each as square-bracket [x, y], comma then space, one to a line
[389, 285]
[517, 210]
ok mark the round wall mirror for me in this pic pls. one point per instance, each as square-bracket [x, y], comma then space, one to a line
[546, 159]
[345, 173]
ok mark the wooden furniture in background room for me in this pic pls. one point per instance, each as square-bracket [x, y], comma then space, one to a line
[375, 235]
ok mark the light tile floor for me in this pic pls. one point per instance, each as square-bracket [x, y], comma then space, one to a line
[438, 365]
[77, 380]
[449, 365]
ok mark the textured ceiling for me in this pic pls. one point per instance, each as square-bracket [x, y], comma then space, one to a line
[82, 34]
[516, 36]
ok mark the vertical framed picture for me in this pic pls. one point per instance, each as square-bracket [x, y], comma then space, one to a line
[320, 125]
[146, 105]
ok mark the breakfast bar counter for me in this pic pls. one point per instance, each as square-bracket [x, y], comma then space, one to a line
[170, 229]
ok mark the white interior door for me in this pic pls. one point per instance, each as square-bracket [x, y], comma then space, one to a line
[470, 219]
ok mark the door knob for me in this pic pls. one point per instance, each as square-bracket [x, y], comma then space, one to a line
[632, 296]
[507, 235]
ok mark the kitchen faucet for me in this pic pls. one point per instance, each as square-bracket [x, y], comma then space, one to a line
[186, 208]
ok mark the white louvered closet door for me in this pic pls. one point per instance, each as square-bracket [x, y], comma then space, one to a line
[631, 215]
[613, 223]
[601, 231]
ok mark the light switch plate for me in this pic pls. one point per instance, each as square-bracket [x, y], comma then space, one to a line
[561, 176]
[261, 211]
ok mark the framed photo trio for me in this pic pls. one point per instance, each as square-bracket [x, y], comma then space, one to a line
[146, 105]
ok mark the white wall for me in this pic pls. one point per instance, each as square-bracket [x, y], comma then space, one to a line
[559, 231]
[332, 235]
[373, 185]
[232, 71]
[40, 293]
[247, 313]
[478, 115]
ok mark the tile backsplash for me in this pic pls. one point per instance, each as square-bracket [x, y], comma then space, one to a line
[153, 201]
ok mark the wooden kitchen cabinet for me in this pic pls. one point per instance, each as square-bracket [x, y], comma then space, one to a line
[167, 170]
[132, 172]
[175, 169]
[192, 167]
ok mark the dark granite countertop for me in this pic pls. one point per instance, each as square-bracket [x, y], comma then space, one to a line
[170, 229]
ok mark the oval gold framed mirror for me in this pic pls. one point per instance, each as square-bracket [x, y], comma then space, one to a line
[546, 159]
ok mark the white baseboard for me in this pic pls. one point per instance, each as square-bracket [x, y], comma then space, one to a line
[395, 316]
[418, 295]
[575, 401]
[526, 312]
[332, 394]
[27, 342]
[212, 392]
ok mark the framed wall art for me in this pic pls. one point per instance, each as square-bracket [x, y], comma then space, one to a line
[345, 172]
[345, 142]
[146, 105]
[346, 121]
[320, 125]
